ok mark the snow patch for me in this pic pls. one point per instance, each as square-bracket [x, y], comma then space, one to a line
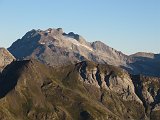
[75, 42]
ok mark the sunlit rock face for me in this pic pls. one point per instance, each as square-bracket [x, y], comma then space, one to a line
[5, 58]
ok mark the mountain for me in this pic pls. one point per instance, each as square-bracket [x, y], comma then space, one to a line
[30, 90]
[54, 47]
[61, 76]
[57, 48]
[5, 58]
[82, 91]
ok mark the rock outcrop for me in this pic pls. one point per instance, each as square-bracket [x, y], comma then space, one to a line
[110, 78]
[148, 90]
[5, 58]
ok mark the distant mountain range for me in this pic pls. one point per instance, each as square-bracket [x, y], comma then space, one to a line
[60, 76]
[55, 48]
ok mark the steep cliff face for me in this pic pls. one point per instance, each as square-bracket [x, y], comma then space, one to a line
[110, 78]
[86, 90]
[148, 90]
[5, 58]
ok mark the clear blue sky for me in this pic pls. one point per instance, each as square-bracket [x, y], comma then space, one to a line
[126, 25]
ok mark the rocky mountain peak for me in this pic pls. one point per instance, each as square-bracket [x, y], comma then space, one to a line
[55, 47]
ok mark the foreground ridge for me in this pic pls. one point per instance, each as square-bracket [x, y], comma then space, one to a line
[85, 90]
